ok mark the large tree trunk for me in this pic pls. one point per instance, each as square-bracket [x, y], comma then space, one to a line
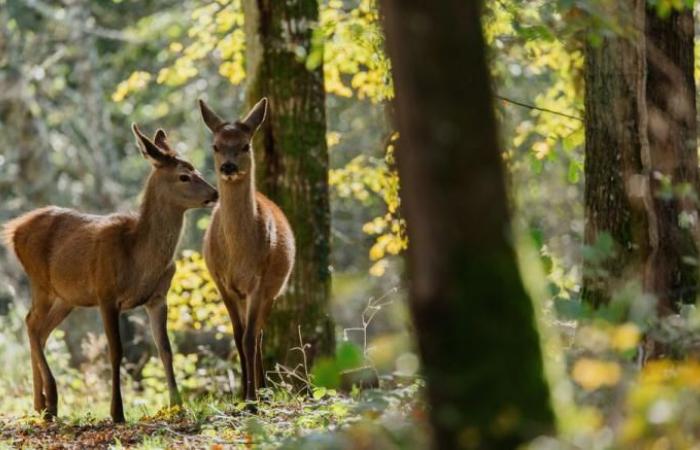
[674, 162]
[616, 191]
[293, 166]
[641, 158]
[474, 321]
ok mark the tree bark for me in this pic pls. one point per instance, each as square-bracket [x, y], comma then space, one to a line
[641, 158]
[616, 192]
[672, 135]
[293, 167]
[474, 321]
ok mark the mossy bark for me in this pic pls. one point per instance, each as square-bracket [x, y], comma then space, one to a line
[641, 158]
[292, 165]
[616, 194]
[474, 321]
[672, 135]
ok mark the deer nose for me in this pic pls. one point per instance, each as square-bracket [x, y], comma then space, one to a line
[228, 168]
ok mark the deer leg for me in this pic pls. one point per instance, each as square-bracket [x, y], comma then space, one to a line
[235, 316]
[259, 367]
[238, 338]
[45, 396]
[33, 321]
[251, 340]
[110, 317]
[263, 315]
[158, 316]
[249, 351]
[55, 316]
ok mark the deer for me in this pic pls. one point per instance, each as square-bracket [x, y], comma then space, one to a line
[115, 262]
[249, 245]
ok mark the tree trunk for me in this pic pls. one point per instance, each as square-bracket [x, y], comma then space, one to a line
[474, 321]
[674, 162]
[293, 167]
[616, 179]
[641, 158]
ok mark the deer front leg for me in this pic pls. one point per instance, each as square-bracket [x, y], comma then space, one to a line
[232, 303]
[251, 343]
[259, 367]
[250, 355]
[260, 323]
[110, 317]
[158, 316]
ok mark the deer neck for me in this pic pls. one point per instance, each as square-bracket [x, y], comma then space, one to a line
[238, 209]
[158, 229]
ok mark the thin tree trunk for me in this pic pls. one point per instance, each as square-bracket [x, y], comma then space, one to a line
[293, 166]
[474, 321]
[672, 135]
[616, 197]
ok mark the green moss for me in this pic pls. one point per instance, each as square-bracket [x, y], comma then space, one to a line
[292, 169]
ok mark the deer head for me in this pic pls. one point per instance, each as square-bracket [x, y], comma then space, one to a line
[233, 154]
[175, 180]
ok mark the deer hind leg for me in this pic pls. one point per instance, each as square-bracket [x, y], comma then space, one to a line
[58, 312]
[43, 317]
[110, 317]
[32, 321]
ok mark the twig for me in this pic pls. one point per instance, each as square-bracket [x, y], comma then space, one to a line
[373, 307]
[537, 108]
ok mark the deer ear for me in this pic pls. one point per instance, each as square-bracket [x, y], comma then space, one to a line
[211, 119]
[149, 150]
[161, 141]
[256, 116]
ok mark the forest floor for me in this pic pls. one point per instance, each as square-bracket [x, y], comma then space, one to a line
[383, 418]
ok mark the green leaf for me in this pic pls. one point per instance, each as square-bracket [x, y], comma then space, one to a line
[574, 173]
[319, 393]
[325, 373]
[348, 356]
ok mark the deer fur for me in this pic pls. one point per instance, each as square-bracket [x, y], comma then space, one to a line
[249, 245]
[115, 262]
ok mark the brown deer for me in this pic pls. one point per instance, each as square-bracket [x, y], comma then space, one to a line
[249, 245]
[115, 262]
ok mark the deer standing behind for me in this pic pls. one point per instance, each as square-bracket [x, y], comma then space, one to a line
[115, 262]
[249, 245]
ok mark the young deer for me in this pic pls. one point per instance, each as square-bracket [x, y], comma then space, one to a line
[116, 262]
[249, 246]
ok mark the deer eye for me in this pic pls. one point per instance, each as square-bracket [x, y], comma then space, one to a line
[245, 148]
[185, 178]
[215, 148]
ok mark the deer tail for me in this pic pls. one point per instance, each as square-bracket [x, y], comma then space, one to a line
[9, 230]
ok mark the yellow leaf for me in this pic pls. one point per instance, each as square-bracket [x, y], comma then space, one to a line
[592, 374]
[625, 337]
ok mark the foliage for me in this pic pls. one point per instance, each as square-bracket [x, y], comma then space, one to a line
[194, 302]
[349, 43]
[364, 176]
